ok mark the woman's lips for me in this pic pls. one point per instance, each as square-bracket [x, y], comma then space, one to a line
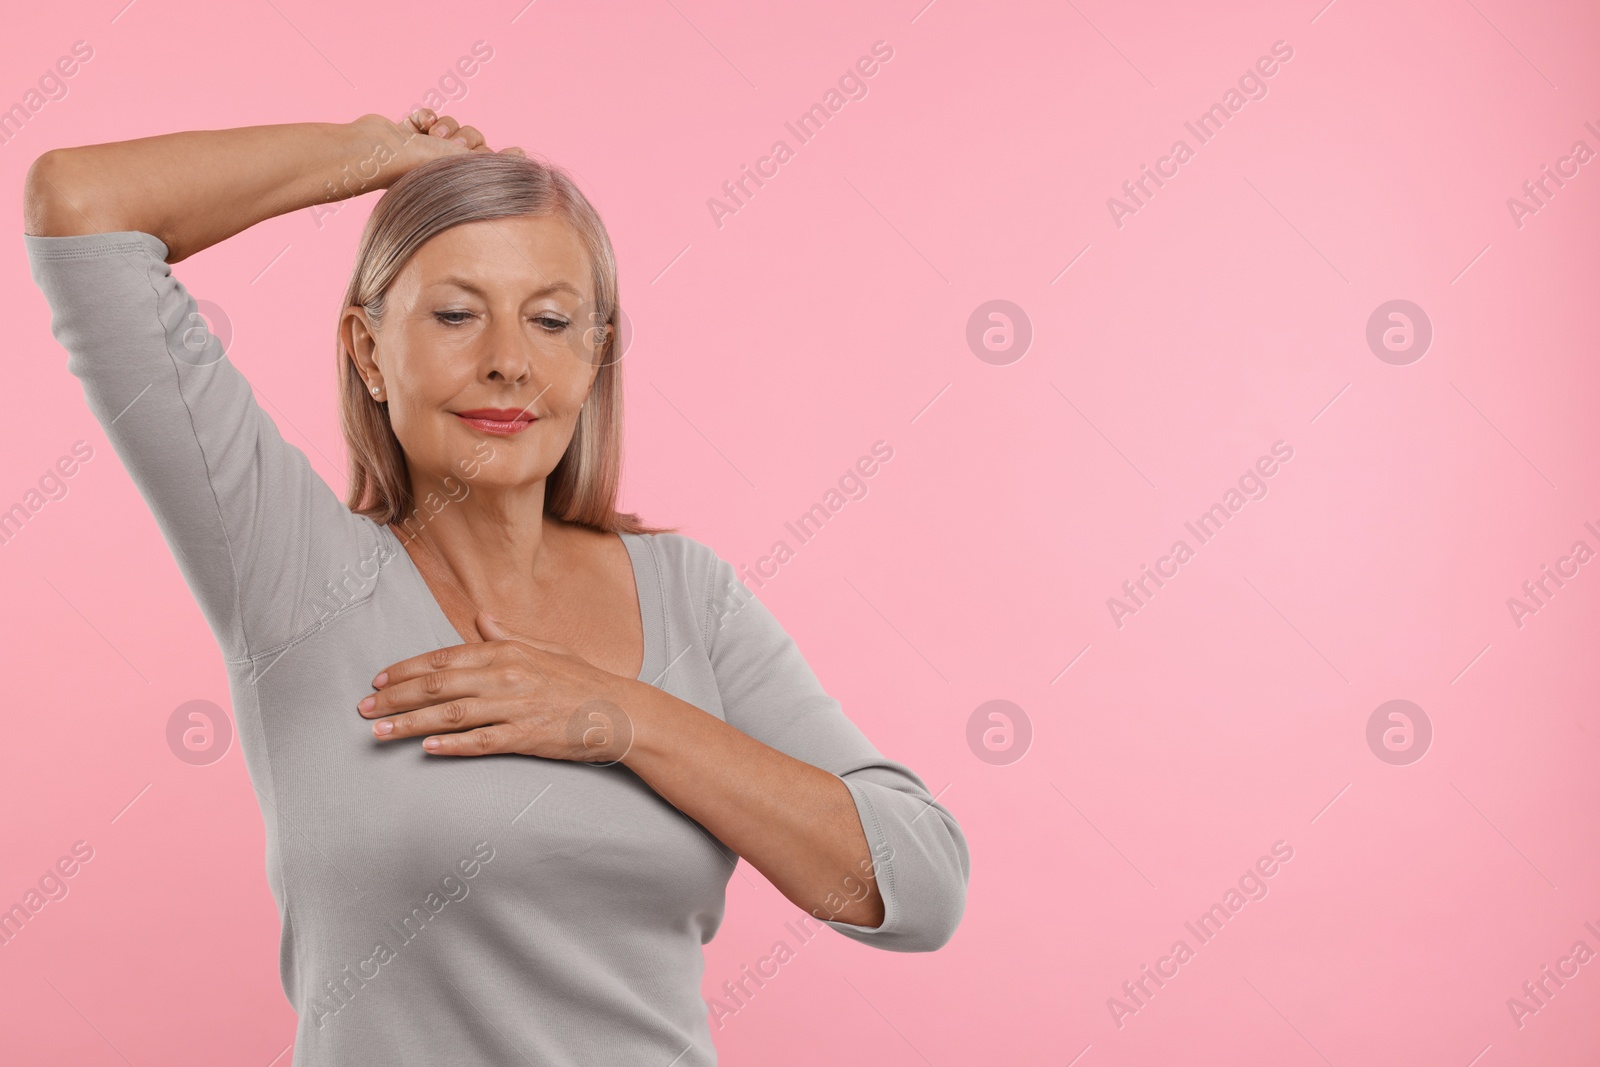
[508, 423]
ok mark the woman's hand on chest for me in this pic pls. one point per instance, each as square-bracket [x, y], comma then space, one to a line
[504, 694]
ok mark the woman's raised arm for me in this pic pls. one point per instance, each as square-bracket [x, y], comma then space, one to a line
[196, 188]
[260, 537]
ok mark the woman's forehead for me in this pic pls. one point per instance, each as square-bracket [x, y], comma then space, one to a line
[529, 255]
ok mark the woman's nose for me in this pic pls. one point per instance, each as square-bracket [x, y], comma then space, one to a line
[509, 351]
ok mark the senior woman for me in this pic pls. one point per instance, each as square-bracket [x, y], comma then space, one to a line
[509, 742]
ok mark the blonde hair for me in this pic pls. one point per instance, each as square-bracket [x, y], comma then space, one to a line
[422, 203]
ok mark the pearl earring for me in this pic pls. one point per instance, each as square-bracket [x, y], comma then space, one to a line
[374, 390]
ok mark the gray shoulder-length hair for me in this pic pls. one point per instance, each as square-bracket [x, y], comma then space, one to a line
[422, 203]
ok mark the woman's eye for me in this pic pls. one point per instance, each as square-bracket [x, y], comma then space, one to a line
[457, 318]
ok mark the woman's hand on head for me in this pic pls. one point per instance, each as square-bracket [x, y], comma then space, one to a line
[423, 136]
[503, 695]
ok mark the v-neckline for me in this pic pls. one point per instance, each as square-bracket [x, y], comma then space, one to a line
[441, 619]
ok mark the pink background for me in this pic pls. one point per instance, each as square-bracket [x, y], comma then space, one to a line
[830, 312]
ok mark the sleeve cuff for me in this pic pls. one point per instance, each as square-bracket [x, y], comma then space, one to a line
[920, 868]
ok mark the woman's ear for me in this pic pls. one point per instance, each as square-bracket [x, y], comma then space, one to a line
[359, 344]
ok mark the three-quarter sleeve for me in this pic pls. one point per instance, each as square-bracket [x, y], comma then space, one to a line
[256, 532]
[769, 691]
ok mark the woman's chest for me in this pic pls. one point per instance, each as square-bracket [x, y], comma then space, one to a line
[593, 611]
[369, 822]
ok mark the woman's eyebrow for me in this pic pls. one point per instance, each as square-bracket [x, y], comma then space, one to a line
[557, 286]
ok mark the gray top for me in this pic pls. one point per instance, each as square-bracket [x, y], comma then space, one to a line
[494, 909]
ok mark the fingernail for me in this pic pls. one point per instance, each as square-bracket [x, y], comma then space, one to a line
[367, 704]
[378, 682]
[381, 728]
[431, 743]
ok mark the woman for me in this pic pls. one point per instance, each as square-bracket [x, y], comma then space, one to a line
[509, 742]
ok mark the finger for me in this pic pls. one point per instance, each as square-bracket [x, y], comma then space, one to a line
[468, 137]
[514, 151]
[489, 629]
[451, 716]
[421, 119]
[437, 687]
[484, 741]
[496, 632]
[452, 657]
[444, 127]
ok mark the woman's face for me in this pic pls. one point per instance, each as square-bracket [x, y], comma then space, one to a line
[490, 316]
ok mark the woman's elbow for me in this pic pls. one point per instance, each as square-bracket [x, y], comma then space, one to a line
[53, 203]
[944, 921]
[937, 916]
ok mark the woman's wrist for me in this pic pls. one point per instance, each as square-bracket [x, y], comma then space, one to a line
[381, 150]
[650, 724]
